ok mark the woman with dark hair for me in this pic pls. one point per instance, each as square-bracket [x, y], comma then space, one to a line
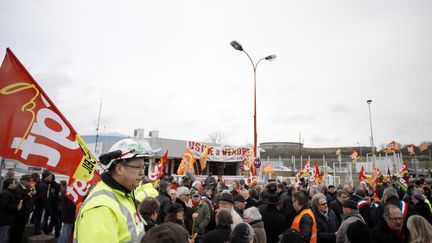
[223, 228]
[8, 208]
[176, 215]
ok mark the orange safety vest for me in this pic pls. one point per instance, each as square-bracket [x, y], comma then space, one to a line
[296, 224]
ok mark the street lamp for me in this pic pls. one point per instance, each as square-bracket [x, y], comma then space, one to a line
[236, 45]
[370, 122]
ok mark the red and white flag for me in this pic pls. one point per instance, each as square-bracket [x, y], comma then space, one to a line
[306, 170]
[354, 156]
[34, 132]
[404, 169]
[392, 147]
[316, 175]
[32, 129]
[161, 165]
[423, 147]
[410, 148]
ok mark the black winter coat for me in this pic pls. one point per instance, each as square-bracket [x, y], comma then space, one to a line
[422, 209]
[165, 204]
[274, 223]
[395, 201]
[365, 211]
[22, 193]
[218, 235]
[336, 206]
[326, 228]
[381, 233]
[8, 207]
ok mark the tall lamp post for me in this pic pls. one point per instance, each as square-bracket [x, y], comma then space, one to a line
[370, 122]
[236, 45]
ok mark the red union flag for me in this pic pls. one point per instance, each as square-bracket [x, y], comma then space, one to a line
[162, 165]
[410, 148]
[354, 156]
[32, 129]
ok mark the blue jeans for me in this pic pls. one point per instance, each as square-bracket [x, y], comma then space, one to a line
[66, 233]
[4, 233]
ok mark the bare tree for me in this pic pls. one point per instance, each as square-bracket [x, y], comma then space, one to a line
[216, 137]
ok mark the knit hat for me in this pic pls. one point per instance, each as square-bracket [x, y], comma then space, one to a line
[175, 207]
[350, 204]
[226, 197]
[418, 196]
[358, 232]
[242, 233]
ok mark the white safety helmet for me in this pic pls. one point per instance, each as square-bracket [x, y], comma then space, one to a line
[123, 150]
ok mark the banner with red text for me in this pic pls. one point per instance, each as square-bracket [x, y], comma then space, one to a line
[217, 153]
[32, 129]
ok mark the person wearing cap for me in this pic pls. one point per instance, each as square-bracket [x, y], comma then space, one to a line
[42, 202]
[350, 214]
[23, 192]
[176, 215]
[274, 221]
[239, 204]
[420, 207]
[305, 221]
[200, 216]
[109, 213]
[225, 200]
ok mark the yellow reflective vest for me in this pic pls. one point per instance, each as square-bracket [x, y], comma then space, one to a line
[108, 215]
[146, 190]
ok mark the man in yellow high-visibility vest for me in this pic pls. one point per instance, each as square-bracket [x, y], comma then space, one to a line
[109, 213]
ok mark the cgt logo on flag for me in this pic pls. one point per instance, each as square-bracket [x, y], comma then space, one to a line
[32, 129]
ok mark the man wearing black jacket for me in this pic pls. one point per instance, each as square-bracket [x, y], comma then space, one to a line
[336, 205]
[8, 207]
[327, 223]
[363, 206]
[391, 196]
[42, 202]
[25, 192]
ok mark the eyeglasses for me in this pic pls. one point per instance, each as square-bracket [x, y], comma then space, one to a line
[137, 167]
[323, 204]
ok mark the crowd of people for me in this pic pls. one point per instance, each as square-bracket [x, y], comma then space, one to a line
[126, 207]
[36, 199]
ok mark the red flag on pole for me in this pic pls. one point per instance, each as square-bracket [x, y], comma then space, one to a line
[362, 175]
[32, 129]
[162, 165]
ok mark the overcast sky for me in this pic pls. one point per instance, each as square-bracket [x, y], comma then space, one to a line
[168, 66]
